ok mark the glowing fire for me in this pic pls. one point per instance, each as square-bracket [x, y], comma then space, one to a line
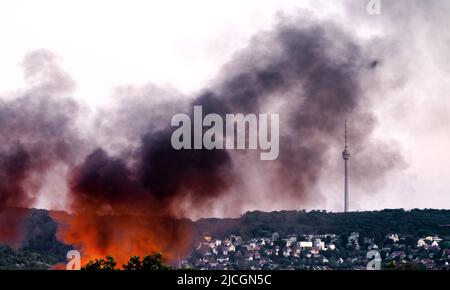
[123, 236]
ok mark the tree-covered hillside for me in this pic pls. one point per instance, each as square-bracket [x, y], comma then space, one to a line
[375, 224]
[40, 248]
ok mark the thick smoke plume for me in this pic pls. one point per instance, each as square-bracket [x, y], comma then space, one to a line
[129, 201]
[36, 133]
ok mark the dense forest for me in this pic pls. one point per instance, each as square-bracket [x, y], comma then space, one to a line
[41, 249]
[374, 224]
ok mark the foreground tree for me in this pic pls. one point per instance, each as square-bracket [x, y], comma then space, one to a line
[107, 264]
[133, 264]
[148, 263]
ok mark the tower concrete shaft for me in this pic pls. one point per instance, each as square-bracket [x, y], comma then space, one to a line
[346, 157]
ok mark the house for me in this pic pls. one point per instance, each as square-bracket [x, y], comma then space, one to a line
[429, 264]
[433, 238]
[293, 239]
[398, 254]
[222, 260]
[368, 240]
[297, 251]
[306, 244]
[287, 252]
[288, 243]
[393, 237]
[421, 243]
[236, 240]
[315, 251]
[224, 251]
[353, 238]
[319, 244]
[207, 237]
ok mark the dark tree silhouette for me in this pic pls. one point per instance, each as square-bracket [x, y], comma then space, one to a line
[148, 263]
[107, 264]
[133, 264]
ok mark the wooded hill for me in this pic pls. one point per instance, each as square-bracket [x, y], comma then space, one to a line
[41, 249]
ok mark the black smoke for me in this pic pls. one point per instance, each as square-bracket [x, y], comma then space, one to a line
[309, 73]
[37, 132]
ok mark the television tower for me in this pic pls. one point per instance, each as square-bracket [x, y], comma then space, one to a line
[346, 156]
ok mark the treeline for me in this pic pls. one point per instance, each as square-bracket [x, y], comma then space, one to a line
[370, 224]
[42, 249]
[39, 249]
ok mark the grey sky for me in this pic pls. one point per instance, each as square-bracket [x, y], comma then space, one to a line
[181, 45]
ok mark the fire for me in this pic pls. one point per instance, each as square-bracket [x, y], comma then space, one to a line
[124, 211]
[123, 236]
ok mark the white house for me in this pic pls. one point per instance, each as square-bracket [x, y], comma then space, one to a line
[421, 243]
[306, 244]
[393, 237]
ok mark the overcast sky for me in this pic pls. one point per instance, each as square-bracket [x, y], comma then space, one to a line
[182, 45]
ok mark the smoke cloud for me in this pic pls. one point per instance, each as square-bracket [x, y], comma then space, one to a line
[128, 190]
[36, 133]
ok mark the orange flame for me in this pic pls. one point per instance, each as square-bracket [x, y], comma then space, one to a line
[123, 236]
